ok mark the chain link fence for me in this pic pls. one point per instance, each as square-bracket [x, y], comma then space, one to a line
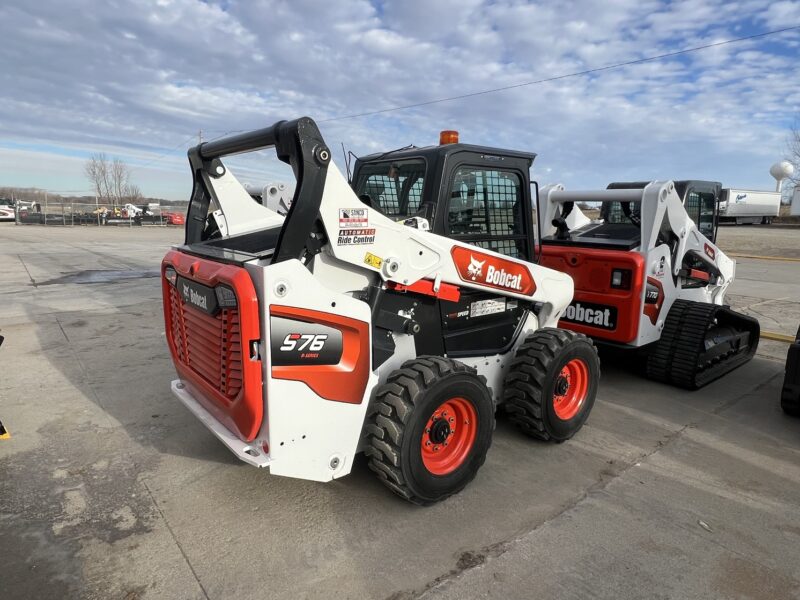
[74, 214]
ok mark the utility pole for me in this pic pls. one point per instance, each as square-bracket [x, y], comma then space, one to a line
[199, 136]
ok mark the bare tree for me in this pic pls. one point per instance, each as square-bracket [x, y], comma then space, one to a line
[132, 194]
[110, 179]
[794, 153]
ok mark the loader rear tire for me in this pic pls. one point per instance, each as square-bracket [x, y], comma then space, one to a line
[429, 429]
[551, 384]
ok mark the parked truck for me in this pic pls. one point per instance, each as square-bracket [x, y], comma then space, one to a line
[741, 207]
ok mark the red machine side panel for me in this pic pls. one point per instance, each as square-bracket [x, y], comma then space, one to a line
[591, 269]
[211, 352]
[344, 381]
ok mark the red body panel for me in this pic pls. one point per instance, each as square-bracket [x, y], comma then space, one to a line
[212, 352]
[342, 382]
[447, 291]
[591, 268]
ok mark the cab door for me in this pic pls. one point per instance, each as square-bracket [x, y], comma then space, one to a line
[488, 207]
[702, 205]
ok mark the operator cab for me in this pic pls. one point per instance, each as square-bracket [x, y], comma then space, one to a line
[474, 194]
[700, 199]
[619, 224]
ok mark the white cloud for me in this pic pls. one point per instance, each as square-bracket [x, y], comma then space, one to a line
[137, 77]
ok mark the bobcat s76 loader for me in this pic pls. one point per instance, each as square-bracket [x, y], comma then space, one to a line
[391, 319]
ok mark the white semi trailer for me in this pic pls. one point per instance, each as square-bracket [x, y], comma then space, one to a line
[748, 206]
[754, 206]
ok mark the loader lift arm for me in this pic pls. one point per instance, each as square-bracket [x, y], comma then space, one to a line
[299, 144]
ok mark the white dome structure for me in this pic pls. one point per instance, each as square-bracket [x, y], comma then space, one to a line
[781, 170]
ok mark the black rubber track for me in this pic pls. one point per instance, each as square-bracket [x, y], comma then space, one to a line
[524, 389]
[391, 414]
[677, 357]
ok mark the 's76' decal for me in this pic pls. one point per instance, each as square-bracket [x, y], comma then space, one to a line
[303, 341]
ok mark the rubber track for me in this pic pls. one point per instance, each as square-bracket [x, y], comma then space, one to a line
[676, 357]
[391, 412]
[522, 392]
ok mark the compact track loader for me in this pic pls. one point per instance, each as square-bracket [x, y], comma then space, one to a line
[647, 277]
[391, 317]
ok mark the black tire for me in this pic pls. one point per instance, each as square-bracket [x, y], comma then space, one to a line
[398, 421]
[790, 393]
[531, 383]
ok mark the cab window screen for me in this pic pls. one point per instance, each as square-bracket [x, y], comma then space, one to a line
[485, 209]
[394, 188]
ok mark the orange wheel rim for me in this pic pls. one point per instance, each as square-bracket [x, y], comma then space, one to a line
[571, 389]
[449, 436]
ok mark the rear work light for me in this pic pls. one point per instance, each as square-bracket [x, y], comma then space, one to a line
[225, 297]
[621, 279]
[170, 275]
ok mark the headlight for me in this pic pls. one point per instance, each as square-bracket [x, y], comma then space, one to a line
[225, 297]
[621, 279]
[170, 275]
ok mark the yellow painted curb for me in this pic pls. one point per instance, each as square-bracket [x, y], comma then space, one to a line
[783, 258]
[778, 337]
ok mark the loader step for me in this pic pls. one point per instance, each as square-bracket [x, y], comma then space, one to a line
[700, 343]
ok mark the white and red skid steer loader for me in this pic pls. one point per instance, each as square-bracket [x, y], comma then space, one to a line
[392, 319]
[649, 277]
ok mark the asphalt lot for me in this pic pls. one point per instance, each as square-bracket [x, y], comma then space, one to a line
[109, 488]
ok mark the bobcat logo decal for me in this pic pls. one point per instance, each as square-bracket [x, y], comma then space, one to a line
[475, 268]
[492, 270]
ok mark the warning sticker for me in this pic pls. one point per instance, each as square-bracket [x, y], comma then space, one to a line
[487, 307]
[353, 237]
[350, 218]
[372, 260]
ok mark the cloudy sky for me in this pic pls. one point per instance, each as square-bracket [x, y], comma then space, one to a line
[138, 79]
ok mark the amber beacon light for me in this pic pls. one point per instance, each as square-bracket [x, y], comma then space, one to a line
[448, 136]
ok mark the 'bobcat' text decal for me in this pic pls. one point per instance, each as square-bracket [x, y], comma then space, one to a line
[474, 266]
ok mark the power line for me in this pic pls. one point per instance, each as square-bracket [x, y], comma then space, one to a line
[170, 151]
[564, 76]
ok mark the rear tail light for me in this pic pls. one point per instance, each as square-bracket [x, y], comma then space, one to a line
[621, 279]
[170, 275]
[226, 298]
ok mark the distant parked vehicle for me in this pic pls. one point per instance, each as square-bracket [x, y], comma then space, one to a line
[173, 218]
[6, 209]
[748, 206]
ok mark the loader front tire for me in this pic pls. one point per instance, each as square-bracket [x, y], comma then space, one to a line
[551, 384]
[429, 429]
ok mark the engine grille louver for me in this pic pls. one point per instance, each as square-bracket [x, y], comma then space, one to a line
[208, 345]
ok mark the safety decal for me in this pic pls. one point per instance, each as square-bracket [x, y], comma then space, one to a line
[353, 218]
[492, 271]
[354, 237]
[709, 251]
[373, 261]
[661, 269]
[487, 307]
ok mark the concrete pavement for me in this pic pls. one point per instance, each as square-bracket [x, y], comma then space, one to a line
[110, 489]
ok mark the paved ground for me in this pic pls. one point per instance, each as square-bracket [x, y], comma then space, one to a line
[110, 489]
